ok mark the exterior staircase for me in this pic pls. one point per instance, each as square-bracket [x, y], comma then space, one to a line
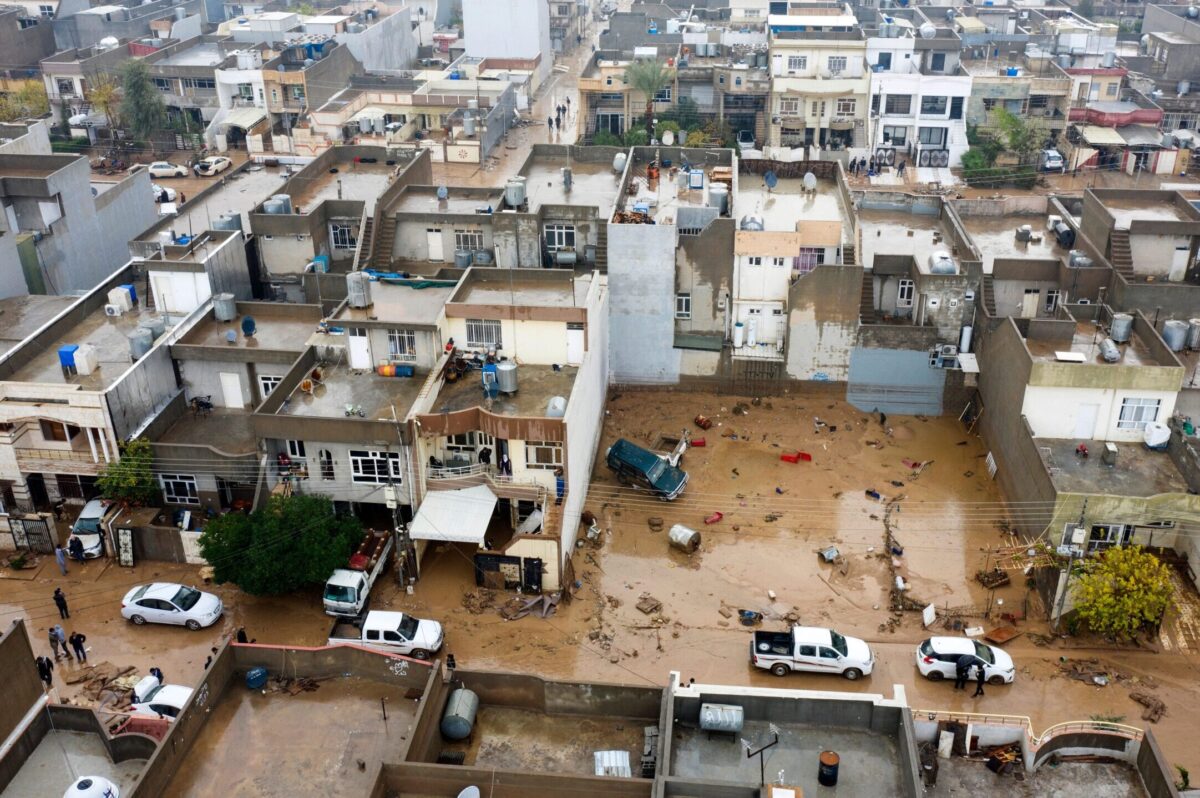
[1121, 255]
[602, 246]
[849, 255]
[866, 308]
[383, 239]
[365, 236]
[988, 291]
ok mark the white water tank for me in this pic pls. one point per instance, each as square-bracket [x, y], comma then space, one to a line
[141, 340]
[940, 262]
[514, 192]
[1193, 337]
[1156, 434]
[358, 290]
[506, 377]
[1175, 333]
[928, 30]
[87, 359]
[752, 332]
[1121, 327]
[964, 339]
[120, 297]
[469, 125]
[739, 335]
[1109, 351]
[618, 164]
[224, 307]
[556, 407]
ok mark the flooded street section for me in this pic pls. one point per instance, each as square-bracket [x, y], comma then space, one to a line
[777, 517]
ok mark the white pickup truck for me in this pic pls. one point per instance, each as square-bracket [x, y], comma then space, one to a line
[390, 632]
[348, 589]
[813, 649]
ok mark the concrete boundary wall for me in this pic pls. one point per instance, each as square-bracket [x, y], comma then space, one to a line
[416, 778]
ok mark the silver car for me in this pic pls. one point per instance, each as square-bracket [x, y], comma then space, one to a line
[167, 602]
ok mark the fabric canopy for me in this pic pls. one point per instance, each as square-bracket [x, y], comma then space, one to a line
[245, 118]
[459, 516]
[1101, 136]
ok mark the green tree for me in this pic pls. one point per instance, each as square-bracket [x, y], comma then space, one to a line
[142, 107]
[1122, 591]
[603, 138]
[27, 102]
[1086, 9]
[105, 94]
[130, 479]
[1019, 135]
[293, 542]
[649, 78]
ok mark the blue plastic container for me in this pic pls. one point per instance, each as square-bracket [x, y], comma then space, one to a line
[66, 355]
[256, 678]
[132, 292]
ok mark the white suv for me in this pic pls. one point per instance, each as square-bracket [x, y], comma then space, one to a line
[937, 659]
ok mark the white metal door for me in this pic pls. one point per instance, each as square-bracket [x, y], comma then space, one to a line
[231, 389]
[1029, 304]
[1085, 421]
[360, 348]
[1178, 265]
[436, 250]
[574, 344]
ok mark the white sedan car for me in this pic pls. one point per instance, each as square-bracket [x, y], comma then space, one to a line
[166, 169]
[167, 602]
[163, 194]
[159, 700]
[938, 656]
[214, 164]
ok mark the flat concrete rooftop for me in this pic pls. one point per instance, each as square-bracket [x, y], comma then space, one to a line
[1087, 343]
[506, 289]
[307, 744]
[400, 303]
[1138, 472]
[352, 181]
[536, 385]
[592, 184]
[341, 388]
[788, 203]
[238, 194]
[110, 336]
[200, 54]
[870, 763]
[226, 430]
[887, 232]
[665, 197]
[422, 201]
[959, 776]
[22, 316]
[61, 757]
[995, 237]
[1126, 210]
[282, 332]
[521, 739]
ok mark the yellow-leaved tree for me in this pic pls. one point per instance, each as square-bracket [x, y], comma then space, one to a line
[1122, 591]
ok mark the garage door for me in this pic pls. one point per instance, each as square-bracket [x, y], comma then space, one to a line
[895, 381]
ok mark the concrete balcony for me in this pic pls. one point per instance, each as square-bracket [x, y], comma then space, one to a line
[459, 477]
[58, 461]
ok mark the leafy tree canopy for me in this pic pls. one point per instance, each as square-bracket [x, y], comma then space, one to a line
[142, 108]
[1122, 590]
[130, 479]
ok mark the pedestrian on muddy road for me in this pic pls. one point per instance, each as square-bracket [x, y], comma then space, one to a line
[61, 635]
[77, 640]
[962, 667]
[979, 679]
[60, 556]
[60, 601]
[53, 638]
[45, 669]
[157, 674]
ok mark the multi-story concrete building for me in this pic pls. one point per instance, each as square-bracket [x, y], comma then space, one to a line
[79, 25]
[25, 39]
[1167, 67]
[516, 32]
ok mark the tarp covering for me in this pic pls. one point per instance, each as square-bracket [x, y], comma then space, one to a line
[1101, 136]
[245, 118]
[459, 516]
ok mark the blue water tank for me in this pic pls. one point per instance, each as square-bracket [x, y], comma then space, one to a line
[256, 678]
[66, 355]
[455, 76]
[322, 262]
[1013, 72]
[132, 292]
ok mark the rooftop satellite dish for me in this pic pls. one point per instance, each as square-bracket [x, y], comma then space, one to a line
[771, 179]
[248, 326]
[442, 192]
[668, 138]
[810, 181]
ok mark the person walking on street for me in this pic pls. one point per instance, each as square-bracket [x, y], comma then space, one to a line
[45, 669]
[60, 601]
[61, 635]
[242, 637]
[979, 678]
[60, 556]
[77, 640]
[156, 672]
[52, 636]
[961, 667]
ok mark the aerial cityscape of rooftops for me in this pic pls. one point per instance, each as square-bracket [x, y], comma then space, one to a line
[548, 398]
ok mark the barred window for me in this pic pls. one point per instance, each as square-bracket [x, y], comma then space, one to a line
[483, 334]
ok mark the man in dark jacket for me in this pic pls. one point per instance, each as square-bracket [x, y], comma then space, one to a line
[961, 668]
[60, 601]
[45, 670]
[979, 679]
[77, 639]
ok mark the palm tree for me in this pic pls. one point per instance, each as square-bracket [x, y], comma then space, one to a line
[649, 77]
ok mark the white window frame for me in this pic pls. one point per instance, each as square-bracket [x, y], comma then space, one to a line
[754, 260]
[796, 63]
[838, 63]
[789, 106]
[402, 345]
[543, 455]
[1052, 299]
[468, 240]
[663, 95]
[559, 236]
[484, 334]
[683, 306]
[341, 236]
[778, 262]
[172, 482]
[268, 383]
[1137, 412]
[383, 468]
[847, 106]
[462, 442]
[295, 450]
[809, 258]
[905, 293]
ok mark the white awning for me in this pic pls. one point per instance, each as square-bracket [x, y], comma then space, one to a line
[1101, 136]
[459, 516]
[245, 118]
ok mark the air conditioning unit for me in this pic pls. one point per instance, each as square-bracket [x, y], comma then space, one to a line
[112, 310]
[948, 350]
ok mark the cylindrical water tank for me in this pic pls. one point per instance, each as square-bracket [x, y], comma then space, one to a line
[274, 207]
[619, 162]
[566, 257]
[469, 125]
[718, 197]
[1064, 234]
[285, 200]
[140, 341]
[722, 717]
[483, 257]
[683, 538]
[928, 30]
[1109, 351]
[1121, 328]
[1175, 333]
[1109, 60]
[228, 221]
[752, 332]
[556, 407]
[514, 192]
[157, 326]
[1193, 336]
[964, 339]
[810, 181]
[472, 105]
[940, 262]
[462, 258]
[739, 335]
[506, 377]
[358, 290]
[751, 222]
[1183, 87]
[224, 307]
[459, 718]
[1064, 60]
[1156, 435]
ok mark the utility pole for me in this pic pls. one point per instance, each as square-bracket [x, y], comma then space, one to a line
[1062, 598]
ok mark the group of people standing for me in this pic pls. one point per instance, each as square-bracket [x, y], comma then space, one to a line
[562, 112]
[869, 167]
[962, 669]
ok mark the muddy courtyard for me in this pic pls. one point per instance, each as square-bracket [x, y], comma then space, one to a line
[925, 479]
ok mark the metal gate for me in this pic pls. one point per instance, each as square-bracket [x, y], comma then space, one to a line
[31, 533]
[756, 377]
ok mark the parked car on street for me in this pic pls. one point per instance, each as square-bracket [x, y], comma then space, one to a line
[813, 649]
[643, 468]
[348, 590]
[162, 194]
[89, 528]
[938, 656]
[212, 165]
[167, 169]
[151, 697]
[390, 632]
[167, 602]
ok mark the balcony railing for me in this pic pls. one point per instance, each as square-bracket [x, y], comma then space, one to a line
[456, 477]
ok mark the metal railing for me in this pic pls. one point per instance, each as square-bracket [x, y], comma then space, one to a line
[1024, 723]
[68, 455]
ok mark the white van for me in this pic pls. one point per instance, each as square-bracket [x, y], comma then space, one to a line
[89, 528]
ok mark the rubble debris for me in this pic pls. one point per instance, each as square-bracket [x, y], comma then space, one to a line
[479, 601]
[703, 422]
[1155, 708]
[648, 605]
[543, 606]
[655, 523]
[997, 577]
